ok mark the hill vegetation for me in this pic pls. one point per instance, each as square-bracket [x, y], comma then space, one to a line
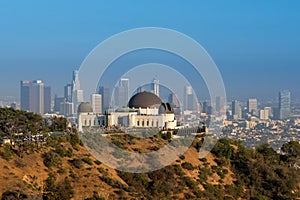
[61, 168]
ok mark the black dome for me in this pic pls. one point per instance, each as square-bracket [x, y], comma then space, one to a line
[144, 100]
[166, 108]
[85, 107]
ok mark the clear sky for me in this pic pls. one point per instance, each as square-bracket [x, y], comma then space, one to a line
[255, 44]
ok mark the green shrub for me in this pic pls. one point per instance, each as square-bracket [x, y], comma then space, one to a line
[77, 163]
[87, 160]
[187, 166]
[52, 159]
[6, 152]
[97, 162]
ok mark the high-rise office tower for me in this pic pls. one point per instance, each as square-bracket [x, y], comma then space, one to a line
[105, 93]
[75, 80]
[270, 111]
[264, 114]
[96, 102]
[47, 99]
[236, 110]
[66, 108]
[284, 104]
[190, 102]
[155, 87]
[68, 92]
[37, 97]
[205, 106]
[122, 93]
[173, 100]
[220, 104]
[25, 94]
[77, 93]
[252, 105]
[57, 102]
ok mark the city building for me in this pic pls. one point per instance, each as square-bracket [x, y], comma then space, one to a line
[122, 93]
[220, 104]
[270, 111]
[190, 101]
[47, 99]
[252, 106]
[66, 109]
[155, 87]
[236, 110]
[96, 102]
[25, 94]
[106, 98]
[77, 93]
[284, 104]
[35, 97]
[174, 100]
[68, 92]
[264, 114]
[57, 102]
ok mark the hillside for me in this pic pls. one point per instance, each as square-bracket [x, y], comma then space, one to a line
[63, 169]
[60, 167]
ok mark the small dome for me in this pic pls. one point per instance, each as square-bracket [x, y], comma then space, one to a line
[144, 100]
[85, 107]
[166, 108]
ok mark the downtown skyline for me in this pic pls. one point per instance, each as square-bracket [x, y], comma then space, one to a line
[257, 56]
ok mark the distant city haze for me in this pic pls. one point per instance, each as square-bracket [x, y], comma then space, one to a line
[257, 55]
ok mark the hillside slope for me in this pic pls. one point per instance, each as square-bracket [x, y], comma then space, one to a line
[63, 169]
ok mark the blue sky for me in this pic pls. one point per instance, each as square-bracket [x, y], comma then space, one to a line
[255, 44]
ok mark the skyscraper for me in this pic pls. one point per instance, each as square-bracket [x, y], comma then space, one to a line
[96, 102]
[190, 102]
[220, 104]
[37, 97]
[68, 92]
[173, 100]
[122, 93]
[284, 104]
[25, 94]
[252, 105]
[75, 80]
[47, 99]
[155, 87]
[105, 93]
[77, 93]
[66, 108]
[57, 102]
[264, 114]
[236, 110]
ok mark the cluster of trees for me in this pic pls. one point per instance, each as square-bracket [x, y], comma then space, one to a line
[19, 121]
[263, 172]
[19, 126]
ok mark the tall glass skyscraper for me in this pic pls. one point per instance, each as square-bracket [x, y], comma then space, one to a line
[155, 87]
[106, 98]
[284, 104]
[190, 101]
[122, 93]
[236, 110]
[35, 97]
[77, 93]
